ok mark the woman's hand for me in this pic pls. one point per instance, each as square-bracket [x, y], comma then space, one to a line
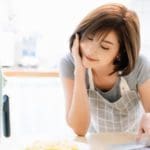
[76, 54]
[144, 126]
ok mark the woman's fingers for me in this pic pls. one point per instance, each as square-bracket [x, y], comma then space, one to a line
[148, 131]
[79, 68]
[144, 126]
[75, 47]
[75, 51]
[139, 135]
[146, 123]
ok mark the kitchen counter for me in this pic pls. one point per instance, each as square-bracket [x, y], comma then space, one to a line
[23, 72]
[102, 141]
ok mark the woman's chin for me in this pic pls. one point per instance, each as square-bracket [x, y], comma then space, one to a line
[86, 65]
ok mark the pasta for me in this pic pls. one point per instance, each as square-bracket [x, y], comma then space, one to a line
[52, 146]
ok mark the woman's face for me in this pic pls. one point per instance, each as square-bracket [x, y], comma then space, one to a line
[97, 52]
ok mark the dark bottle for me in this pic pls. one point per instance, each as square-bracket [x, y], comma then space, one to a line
[6, 116]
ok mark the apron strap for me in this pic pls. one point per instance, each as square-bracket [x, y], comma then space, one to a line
[123, 83]
[91, 84]
[124, 86]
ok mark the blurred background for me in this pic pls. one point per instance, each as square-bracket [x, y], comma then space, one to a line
[35, 34]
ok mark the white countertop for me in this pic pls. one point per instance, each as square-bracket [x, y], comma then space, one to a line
[100, 141]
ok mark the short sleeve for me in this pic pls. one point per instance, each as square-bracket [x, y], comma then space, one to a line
[143, 70]
[66, 66]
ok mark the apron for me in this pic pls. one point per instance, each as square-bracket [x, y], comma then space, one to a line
[122, 115]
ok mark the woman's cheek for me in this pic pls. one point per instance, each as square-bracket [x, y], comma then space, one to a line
[86, 63]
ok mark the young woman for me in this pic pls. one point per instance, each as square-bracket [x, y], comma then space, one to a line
[104, 78]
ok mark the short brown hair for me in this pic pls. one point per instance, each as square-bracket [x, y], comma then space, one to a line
[124, 22]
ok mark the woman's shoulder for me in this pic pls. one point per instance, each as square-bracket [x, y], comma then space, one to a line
[143, 60]
[66, 61]
[141, 64]
[141, 71]
[67, 58]
[66, 65]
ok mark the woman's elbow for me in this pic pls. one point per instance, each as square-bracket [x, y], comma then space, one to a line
[78, 129]
[80, 132]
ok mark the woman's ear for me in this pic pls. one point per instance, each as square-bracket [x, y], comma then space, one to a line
[118, 58]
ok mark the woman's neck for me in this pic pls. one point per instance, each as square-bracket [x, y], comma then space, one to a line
[103, 79]
[103, 72]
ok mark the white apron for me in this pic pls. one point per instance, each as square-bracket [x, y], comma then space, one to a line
[122, 115]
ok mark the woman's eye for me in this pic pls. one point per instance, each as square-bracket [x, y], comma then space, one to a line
[105, 48]
[90, 38]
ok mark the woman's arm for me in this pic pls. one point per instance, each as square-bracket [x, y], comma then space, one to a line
[144, 91]
[77, 104]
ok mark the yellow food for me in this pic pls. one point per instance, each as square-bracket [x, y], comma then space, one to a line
[52, 146]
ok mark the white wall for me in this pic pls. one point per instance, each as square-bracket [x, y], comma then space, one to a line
[53, 22]
[143, 11]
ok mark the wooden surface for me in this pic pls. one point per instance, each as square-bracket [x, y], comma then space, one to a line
[29, 73]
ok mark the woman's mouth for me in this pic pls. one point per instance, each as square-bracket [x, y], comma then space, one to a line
[91, 59]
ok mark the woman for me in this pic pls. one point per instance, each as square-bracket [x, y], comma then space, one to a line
[104, 78]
